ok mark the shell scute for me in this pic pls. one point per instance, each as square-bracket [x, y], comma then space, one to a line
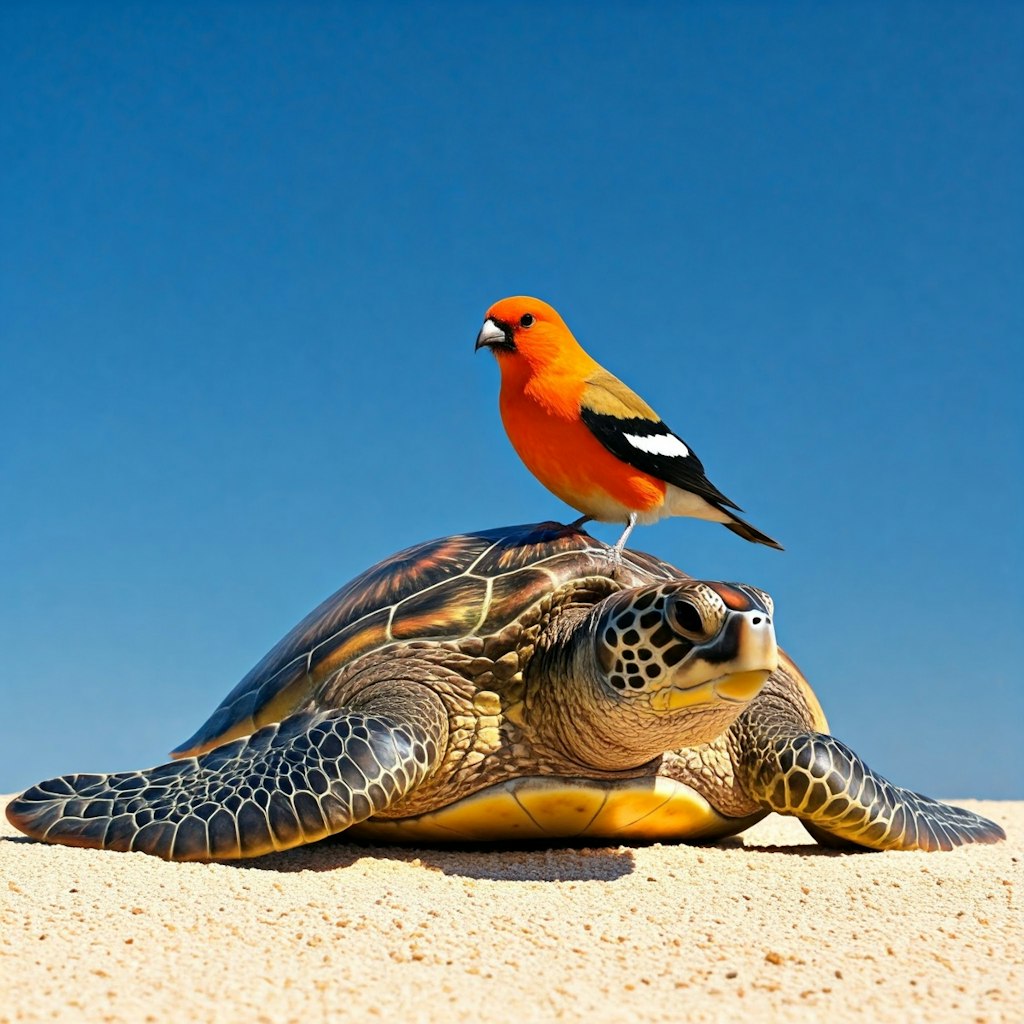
[450, 609]
[532, 546]
[413, 570]
[512, 594]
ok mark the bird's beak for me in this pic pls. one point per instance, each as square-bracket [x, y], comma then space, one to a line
[495, 335]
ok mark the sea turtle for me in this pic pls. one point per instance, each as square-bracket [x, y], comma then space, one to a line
[510, 684]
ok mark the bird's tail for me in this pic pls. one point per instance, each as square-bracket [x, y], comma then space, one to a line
[748, 532]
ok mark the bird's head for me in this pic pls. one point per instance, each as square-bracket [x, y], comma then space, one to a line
[527, 334]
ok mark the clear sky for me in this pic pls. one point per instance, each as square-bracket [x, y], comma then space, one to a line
[245, 250]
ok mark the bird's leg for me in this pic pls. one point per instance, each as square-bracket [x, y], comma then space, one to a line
[620, 544]
[577, 523]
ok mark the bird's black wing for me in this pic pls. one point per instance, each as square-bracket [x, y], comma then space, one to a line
[648, 445]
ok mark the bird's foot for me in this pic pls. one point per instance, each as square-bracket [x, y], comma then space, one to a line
[615, 553]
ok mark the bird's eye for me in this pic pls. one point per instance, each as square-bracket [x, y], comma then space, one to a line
[526, 320]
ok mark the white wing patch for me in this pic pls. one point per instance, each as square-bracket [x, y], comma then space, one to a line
[659, 444]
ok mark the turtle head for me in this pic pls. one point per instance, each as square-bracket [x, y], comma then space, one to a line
[686, 644]
[666, 665]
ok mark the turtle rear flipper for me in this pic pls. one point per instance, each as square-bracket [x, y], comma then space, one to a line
[842, 802]
[305, 778]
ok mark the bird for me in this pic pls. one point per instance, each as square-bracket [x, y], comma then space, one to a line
[587, 437]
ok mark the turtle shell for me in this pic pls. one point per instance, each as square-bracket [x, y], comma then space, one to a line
[464, 585]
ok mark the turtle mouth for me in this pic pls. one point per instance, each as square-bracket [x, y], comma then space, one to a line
[732, 688]
[740, 687]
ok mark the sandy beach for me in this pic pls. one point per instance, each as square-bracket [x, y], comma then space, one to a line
[767, 927]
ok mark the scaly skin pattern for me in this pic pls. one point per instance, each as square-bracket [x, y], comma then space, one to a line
[301, 780]
[787, 767]
[633, 641]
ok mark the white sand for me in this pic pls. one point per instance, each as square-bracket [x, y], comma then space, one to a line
[770, 928]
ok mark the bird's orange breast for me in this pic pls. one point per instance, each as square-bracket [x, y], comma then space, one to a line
[542, 419]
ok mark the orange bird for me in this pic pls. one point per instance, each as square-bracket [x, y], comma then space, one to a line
[586, 436]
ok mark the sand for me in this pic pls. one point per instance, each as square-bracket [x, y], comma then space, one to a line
[769, 927]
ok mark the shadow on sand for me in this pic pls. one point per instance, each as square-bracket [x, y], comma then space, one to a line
[523, 862]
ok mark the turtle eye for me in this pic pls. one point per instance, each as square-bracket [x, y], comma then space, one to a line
[527, 320]
[687, 618]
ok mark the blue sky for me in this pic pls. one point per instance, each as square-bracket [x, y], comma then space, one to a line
[245, 251]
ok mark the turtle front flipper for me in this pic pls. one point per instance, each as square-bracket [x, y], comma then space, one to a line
[300, 780]
[841, 801]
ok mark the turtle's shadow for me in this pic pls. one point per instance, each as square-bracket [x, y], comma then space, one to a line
[524, 862]
[512, 862]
